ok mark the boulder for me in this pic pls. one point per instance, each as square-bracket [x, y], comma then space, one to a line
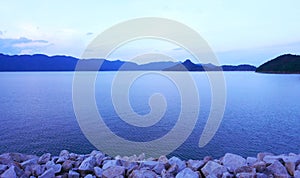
[37, 170]
[250, 161]
[3, 167]
[245, 175]
[55, 167]
[67, 165]
[88, 164]
[9, 173]
[111, 163]
[149, 164]
[297, 174]
[260, 156]
[233, 161]
[113, 172]
[89, 176]
[158, 168]
[73, 174]
[176, 161]
[227, 175]
[44, 158]
[290, 167]
[48, 174]
[271, 159]
[187, 172]
[195, 164]
[213, 169]
[260, 166]
[143, 174]
[261, 175]
[98, 171]
[29, 162]
[278, 170]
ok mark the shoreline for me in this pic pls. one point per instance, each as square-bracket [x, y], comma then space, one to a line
[98, 164]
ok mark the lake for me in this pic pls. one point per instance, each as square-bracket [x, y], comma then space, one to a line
[262, 113]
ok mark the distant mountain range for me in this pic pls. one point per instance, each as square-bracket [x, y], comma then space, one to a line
[40, 62]
[284, 64]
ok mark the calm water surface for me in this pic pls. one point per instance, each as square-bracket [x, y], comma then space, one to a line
[262, 113]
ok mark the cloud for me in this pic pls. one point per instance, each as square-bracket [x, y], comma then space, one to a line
[89, 33]
[17, 45]
[1, 33]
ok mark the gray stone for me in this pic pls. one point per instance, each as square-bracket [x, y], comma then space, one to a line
[55, 167]
[250, 161]
[227, 175]
[173, 169]
[260, 166]
[233, 161]
[67, 165]
[37, 170]
[290, 167]
[245, 169]
[213, 169]
[89, 176]
[297, 174]
[29, 162]
[9, 173]
[149, 164]
[142, 174]
[278, 170]
[261, 175]
[48, 174]
[113, 172]
[64, 153]
[3, 167]
[245, 175]
[44, 158]
[260, 156]
[166, 174]
[88, 164]
[298, 167]
[195, 164]
[111, 163]
[158, 168]
[163, 159]
[181, 164]
[73, 174]
[187, 172]
[271, 159]
[98, 171]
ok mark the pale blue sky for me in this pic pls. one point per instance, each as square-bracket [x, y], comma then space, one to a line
[249, 31]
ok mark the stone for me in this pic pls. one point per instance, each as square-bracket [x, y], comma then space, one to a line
[163, 159]
[149, 164]
[173, 169]
[73, 174]
[260, 156]
[213, 169]
[250, 161]
[245, 169]
[187, 172]
[166, 174]
[271, 159]
[181, 164]
[245, 175]
[261, 175]
[44, 158]
[278, 170]
[207, 158]
[260, 166]
[55, 167]
[142, 173]
[3, 167]
[233, 161]
[158, 168]
[48, 174]
[64, 153]
[113, 172]
[111, 163]
[297, 174]
[37, 170]
[290, 167]
[63, 156]
[88, 164]
[195, 164]
[89, 176]
[67, 165]
[298, 167]
[29, 162]
[227, 175]
[9, 173]
[98, 171]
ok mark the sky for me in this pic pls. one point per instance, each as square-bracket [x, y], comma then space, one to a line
[239, 32]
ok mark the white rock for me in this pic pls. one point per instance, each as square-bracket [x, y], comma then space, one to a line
[44, 158]
[233, 161]
[48, 174]
[98, 171]
[88, 164]
[278, 170]
[195, 164]
[297, 174]
[113, 172]
[213, 169]
[176, 161]
[290, 167]
[111, 163]
[142, 173]
[187, 172]
[250, 161]
[73, 174]
[9, 173]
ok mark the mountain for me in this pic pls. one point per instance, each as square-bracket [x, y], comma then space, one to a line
[286, 63]
[40, 62]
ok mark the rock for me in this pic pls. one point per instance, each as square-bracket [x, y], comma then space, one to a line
[88, 164]
[48, 174]
[111, 163]
[297, 174]
[163, 159]
[232, 161]
[44, 158]
[67, 165]
[37, 170]
[195, 164]
[149, 164]
[63, 156]
[250, 161]
[278, 170]
[260, 156]
[73, 174]
[141, 157]
[261, 175]
[64, 153]
[290, 167]
[158, 168]
[245, 175]
[213, 169]
[245, 169]
[29, 162]
[142, 174]
[9, 173]
[3, 167]
[98, 171]
[207, 158]
[187, 172]
[173, 170]
[165, 174]
[271, 159]
[298, 167]
[113, 172]
[181, 164]
[227, 175]
[55, 167]
[89, 176]
[260, 166]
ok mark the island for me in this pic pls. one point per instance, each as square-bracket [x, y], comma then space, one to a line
[284, 64]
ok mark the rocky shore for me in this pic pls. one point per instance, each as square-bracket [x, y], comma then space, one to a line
[98, 164]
